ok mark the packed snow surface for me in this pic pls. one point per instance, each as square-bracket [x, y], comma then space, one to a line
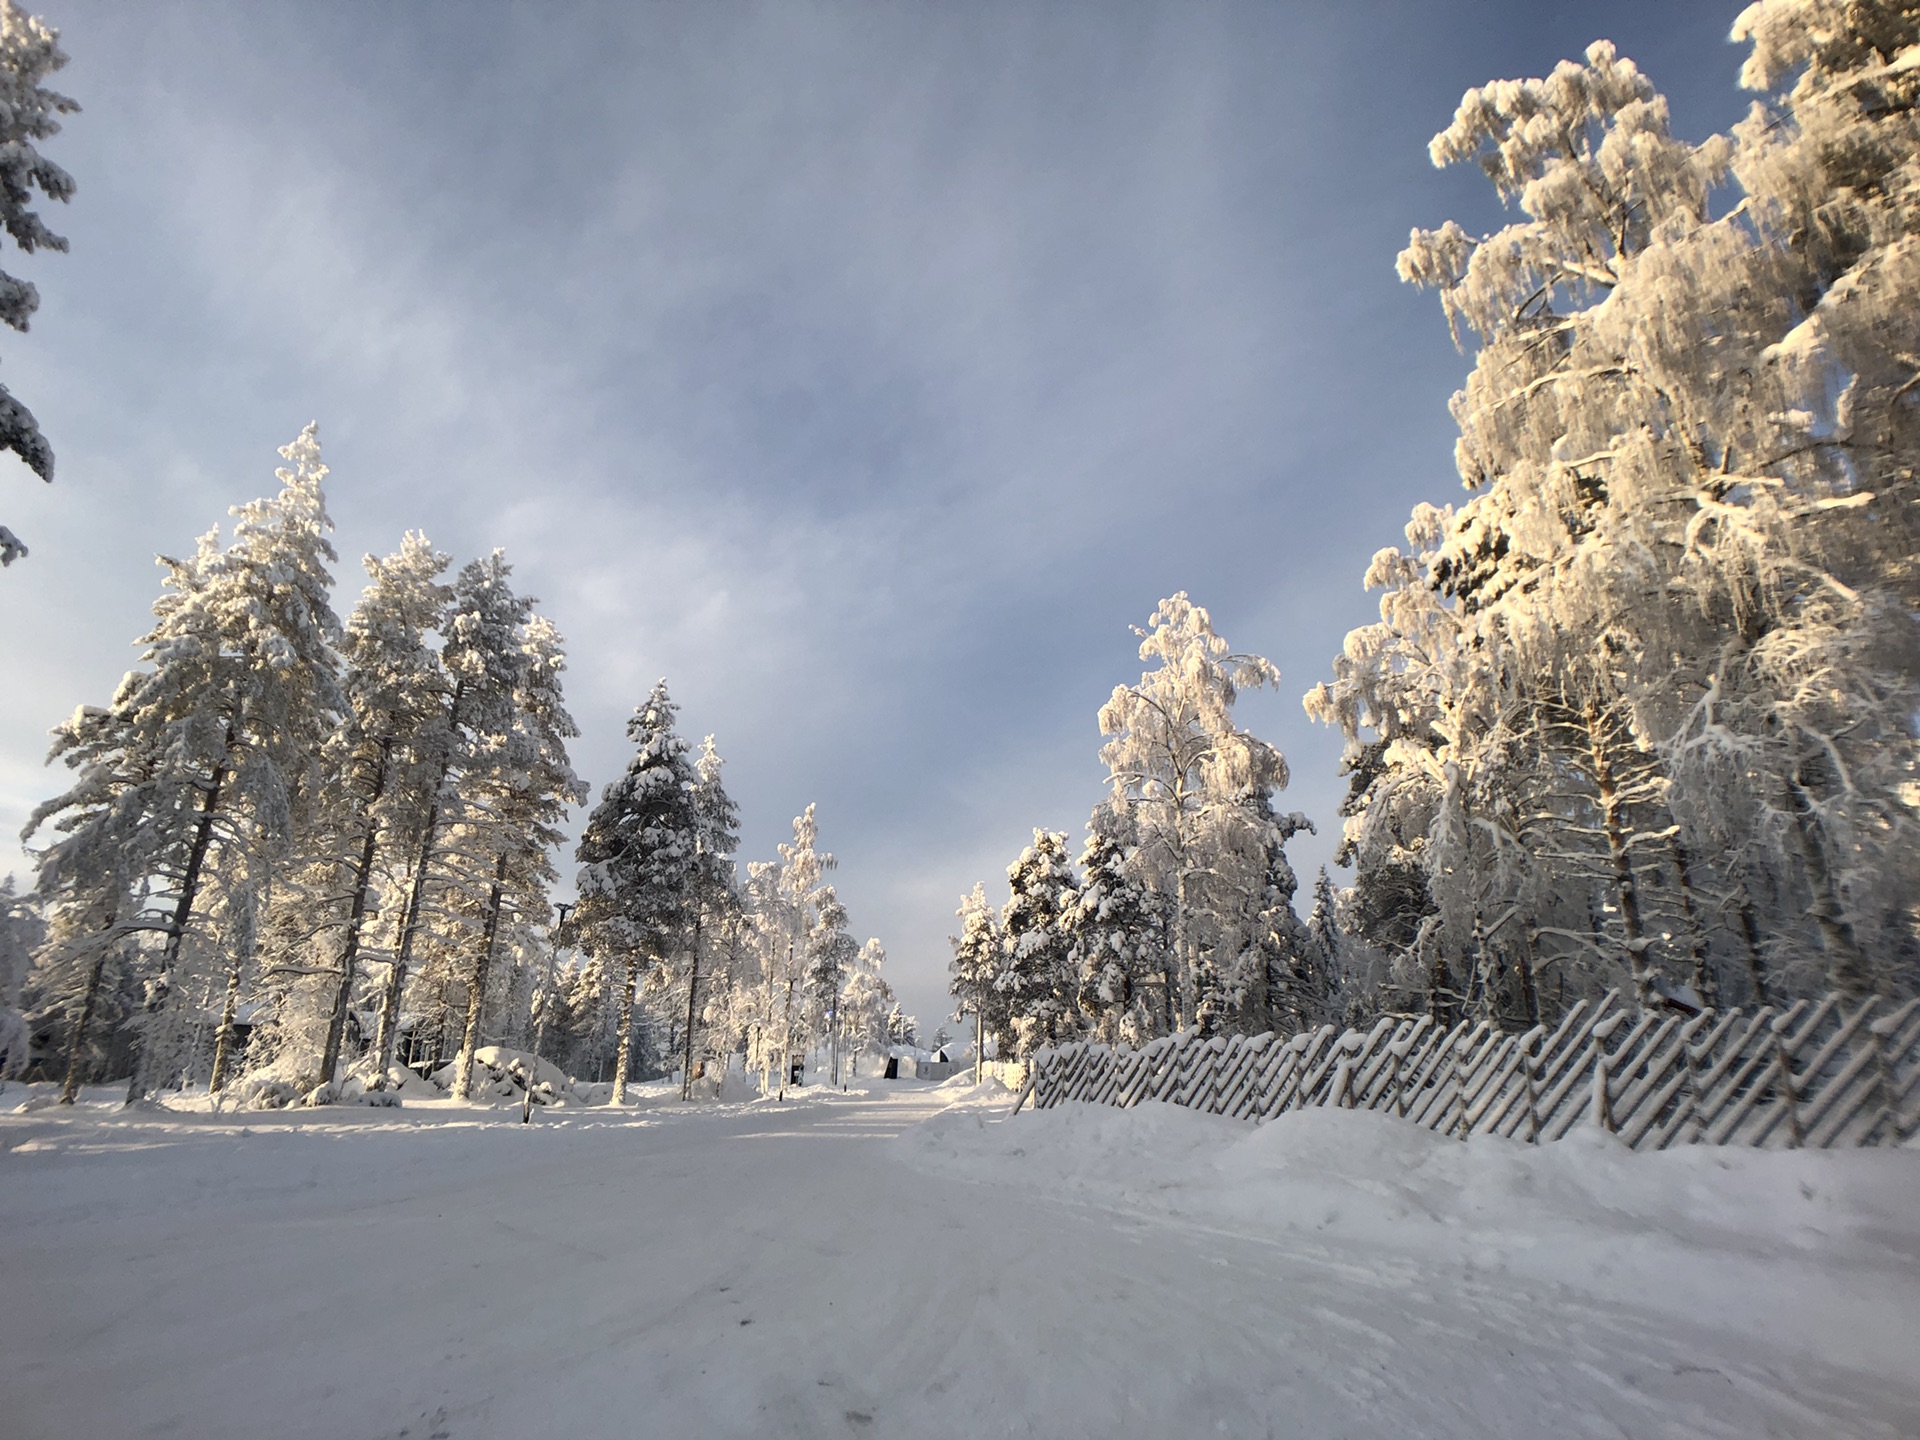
[911, 1262]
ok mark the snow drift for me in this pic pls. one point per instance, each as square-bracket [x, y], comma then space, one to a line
[1815, 1250]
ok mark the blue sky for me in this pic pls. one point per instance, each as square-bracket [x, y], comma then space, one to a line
[866, 370]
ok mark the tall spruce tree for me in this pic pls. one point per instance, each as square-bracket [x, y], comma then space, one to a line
[979, 958]
[832, 953]
[29, 52]
[716, 898]
[1037, 978]
[1118, 926]
[639, 859]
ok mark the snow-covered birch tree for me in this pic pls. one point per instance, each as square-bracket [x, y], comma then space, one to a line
[1199, 789]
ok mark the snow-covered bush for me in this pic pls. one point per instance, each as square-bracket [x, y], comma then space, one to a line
[502, 1074]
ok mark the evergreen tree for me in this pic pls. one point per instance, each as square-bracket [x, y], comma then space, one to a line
[29, 52]
[979, 958]
[865, 1004]
[22, 932]
[200, 771]
[716, 899]
[639, 859]
[473, 689]
[395, 687]
[831, 955]
[1037, 979]
[1118, 926]
[786, 896]
[511, 806]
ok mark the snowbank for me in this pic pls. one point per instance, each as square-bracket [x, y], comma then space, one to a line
[500, 1074]
[1818, 1250]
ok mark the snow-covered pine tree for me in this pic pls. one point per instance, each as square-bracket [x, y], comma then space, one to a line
[88, 882]
[865, 1004]
[202, 768]
[396, 689]
[639, 857]
[481, 667]
[786, 900]
[1325, 943]
[902, 1028]
[22, 933]
[1037, 981]
[1119, 931]
[716, 897]
[29, 52]
[979, 957]
[511, 807]
[831, 954]
[1276, 983]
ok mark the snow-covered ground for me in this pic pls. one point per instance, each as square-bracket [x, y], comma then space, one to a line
[895, 1263]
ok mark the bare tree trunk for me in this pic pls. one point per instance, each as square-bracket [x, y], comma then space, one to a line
[1846, 966]
[1529, 995]
[77, 1037]
[1480, 974]
[403, 950]
[182, 914]
[625, 1061]
[786, 1030]
[356, 918]
[223, 1038]
[1181, 1005]
[1626, 893]
[1750, 932]
[477, 986]
[693, 989]
[1706, 983]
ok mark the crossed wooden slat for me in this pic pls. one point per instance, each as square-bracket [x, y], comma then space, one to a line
[1819, 1073]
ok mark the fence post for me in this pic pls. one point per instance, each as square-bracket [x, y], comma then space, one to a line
[1789, 1089]
[1393, 1077]
[1695, 1128]
[1886, 1084]
[1602, 1097]
[1529, 1077]
[1458, 1121]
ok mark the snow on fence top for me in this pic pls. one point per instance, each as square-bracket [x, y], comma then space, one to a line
[1818, 1073]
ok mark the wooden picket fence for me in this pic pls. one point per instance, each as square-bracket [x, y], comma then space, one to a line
[1818, 1073]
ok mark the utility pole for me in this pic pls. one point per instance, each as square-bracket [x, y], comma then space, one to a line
[979, 1039]
[540, 1021]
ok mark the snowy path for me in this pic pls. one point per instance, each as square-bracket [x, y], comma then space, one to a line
[770, 1271]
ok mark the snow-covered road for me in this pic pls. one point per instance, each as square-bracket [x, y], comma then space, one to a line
[776, 1271]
